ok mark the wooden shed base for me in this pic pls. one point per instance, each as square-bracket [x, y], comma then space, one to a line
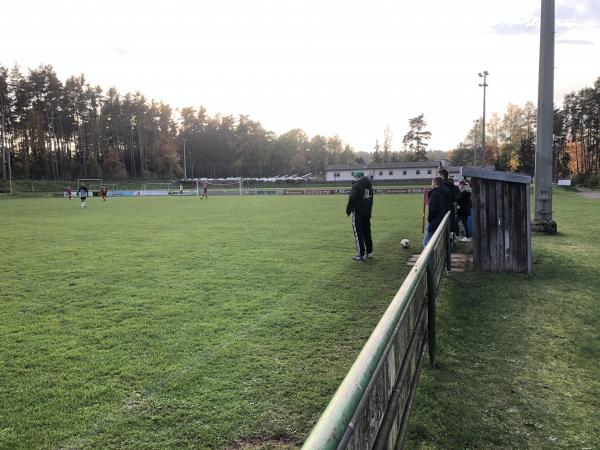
[461, 262]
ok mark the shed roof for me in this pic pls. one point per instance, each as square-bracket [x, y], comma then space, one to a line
[511, 177]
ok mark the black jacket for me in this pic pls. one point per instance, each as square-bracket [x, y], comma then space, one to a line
[464, 203]
[454, 191]
[361, 198]
[439, 205]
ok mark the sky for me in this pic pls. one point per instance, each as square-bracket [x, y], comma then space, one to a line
[330, 67]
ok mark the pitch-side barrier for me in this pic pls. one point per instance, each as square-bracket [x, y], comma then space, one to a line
[261, 191]
[370, 409]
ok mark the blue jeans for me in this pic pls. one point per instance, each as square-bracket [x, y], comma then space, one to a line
[428, 236]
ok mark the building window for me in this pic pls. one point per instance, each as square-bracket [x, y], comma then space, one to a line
[404, 172]
[381, 172]
[336, 175]
[391, 172]
[418, 172]
[428, 171]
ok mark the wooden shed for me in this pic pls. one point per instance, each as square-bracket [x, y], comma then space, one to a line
[501, 220]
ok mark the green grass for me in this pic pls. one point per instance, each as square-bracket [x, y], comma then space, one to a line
[176, 322]
[180, 323]
[519, 356]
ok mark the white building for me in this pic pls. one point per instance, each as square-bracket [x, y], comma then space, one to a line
[399, 171]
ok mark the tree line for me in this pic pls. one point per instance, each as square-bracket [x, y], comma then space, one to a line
[64, 130]
[511, 138]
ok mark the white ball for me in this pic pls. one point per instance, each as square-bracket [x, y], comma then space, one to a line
[405, 243]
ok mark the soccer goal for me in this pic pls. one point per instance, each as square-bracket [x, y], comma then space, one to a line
[156, 189]
[93, 184]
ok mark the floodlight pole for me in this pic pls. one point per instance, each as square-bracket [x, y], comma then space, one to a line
[544, 143]
[184, 161]
[484, 85]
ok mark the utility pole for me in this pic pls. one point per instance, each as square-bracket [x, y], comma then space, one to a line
[543, 152]
[184, 161]
[484, 85]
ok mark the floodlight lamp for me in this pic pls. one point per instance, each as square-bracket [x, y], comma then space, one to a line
[485, 72]
[481, 76]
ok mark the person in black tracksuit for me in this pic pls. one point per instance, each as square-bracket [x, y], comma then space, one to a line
[453, 197]
[439, 205]
[360, 205]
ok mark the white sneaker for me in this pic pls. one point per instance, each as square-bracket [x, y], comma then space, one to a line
[369, 256]
[464, 239]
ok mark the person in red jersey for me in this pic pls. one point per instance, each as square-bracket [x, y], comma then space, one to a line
[103, 192]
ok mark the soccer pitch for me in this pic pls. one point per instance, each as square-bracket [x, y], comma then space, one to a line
[176, 322]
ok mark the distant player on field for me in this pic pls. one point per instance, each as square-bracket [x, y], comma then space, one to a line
[83, 192]
[181, 189]
[103, 192]
[69, 192]
[205, 191]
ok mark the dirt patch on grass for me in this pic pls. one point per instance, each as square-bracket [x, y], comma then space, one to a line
[591, 194]
[264, 444]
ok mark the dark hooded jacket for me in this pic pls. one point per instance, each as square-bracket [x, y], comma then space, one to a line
[361, 198]
[439, 205]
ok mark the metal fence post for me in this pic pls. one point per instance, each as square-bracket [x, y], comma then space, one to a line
[431, 300]
[449, 244]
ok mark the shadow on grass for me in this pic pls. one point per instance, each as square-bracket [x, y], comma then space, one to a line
[514, 366]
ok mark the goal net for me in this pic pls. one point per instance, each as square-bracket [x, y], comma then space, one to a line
[156, 188]
[93, 184]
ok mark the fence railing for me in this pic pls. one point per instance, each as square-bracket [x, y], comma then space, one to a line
[371, 407]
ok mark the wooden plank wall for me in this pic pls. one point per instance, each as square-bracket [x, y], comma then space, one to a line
[500, 226]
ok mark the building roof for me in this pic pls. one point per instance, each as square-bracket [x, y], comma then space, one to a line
[394, 165]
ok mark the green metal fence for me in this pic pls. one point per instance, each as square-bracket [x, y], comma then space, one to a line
[371, 407]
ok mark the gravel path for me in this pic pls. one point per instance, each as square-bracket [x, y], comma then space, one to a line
[591, 194]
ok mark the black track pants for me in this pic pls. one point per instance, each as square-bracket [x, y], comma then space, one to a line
[362, 234]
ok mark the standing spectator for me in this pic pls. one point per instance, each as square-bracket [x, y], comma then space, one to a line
[439, 205]
[83, 192]
[463, 208]
[360, 206]
[449, 183]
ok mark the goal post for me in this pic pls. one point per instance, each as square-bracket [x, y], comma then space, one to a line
[93, 184]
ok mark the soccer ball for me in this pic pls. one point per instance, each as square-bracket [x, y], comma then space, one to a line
[405, 243]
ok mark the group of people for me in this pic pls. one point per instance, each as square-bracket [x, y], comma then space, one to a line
[444, 196]
[83, 193]
[204, 191]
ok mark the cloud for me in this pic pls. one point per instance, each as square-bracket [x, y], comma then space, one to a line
[578, 11]
[530, 26]
[570, 16]
[575, 42]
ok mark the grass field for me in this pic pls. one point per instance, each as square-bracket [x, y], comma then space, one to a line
[176, 322]
[180, 323]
